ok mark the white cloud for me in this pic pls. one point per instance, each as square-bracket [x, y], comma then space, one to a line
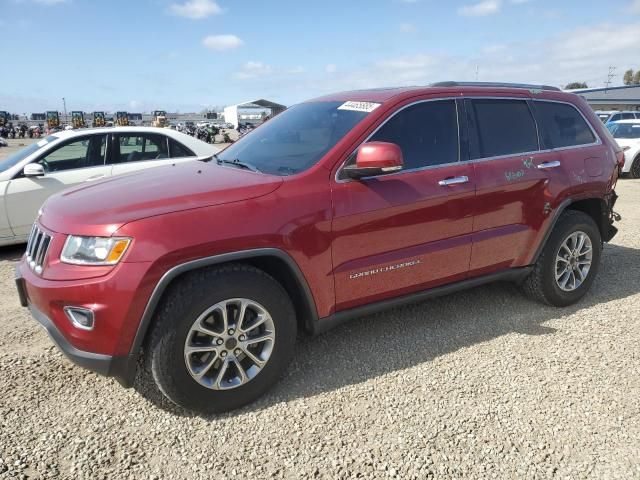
[222, 42]
[194, 9]
[480, 9]
[331, 68]
[252, 70]
[634, 6]
[296, 70]
[408, 28]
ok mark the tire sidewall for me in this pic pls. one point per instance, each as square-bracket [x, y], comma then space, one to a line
[168, 364]
[573, 224]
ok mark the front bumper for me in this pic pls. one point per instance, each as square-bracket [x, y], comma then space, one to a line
[95, 350]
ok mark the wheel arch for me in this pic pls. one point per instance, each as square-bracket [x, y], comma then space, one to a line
[272, 261]
[599, 209]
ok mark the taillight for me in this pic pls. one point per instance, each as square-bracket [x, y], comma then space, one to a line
[620, 157]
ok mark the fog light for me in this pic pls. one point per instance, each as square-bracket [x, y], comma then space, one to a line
[81, 318]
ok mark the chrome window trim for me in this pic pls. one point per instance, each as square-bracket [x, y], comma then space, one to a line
[475, 160]
[417, 102]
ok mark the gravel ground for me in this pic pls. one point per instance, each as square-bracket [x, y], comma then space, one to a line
[482, 384]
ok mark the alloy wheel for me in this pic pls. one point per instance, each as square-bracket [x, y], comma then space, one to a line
[573, 261]
[229, 344]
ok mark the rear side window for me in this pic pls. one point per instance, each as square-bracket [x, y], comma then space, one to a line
[500, 127]
[178, 150]
[561, 125]
[427, 133]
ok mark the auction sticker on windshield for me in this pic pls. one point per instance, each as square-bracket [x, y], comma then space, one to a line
[359, 106]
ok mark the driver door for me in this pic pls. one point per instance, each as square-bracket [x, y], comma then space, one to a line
[77, 160]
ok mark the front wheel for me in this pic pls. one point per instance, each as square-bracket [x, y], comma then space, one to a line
[221, 338]
[569, 261]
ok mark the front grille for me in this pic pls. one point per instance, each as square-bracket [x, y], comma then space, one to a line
[37, 247]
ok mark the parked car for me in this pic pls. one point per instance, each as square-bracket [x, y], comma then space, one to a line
[69, 157]
[203, 273]
[608, 116]
[627, 134]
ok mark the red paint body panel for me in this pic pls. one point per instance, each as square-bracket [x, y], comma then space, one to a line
[355, 242]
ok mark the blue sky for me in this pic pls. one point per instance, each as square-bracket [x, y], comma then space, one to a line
[188, 55]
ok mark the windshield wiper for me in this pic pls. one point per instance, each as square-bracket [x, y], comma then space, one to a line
[236, 162]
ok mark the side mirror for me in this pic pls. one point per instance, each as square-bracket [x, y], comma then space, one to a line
[375, 158]
[33, 170]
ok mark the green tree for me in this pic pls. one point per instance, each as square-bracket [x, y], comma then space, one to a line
[628, 77]
[574, 85]
[636, 78]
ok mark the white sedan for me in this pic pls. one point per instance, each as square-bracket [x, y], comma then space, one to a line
[29, 176]
[627, 134]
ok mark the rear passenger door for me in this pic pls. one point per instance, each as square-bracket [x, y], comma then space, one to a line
[138, 151]
[510, 186]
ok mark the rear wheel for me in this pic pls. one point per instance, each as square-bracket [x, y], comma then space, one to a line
[221, 339]
[569, 261]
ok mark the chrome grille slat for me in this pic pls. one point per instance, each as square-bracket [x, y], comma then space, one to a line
[37, 247]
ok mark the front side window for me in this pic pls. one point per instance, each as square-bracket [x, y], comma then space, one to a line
[139, 147]
[500, 127]
[427, 133]
[296, 139]
[561, 125]
[83, 153]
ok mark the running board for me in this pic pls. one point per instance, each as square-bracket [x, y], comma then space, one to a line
[327, 323]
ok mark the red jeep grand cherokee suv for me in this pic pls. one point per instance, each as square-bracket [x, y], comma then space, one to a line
[194, 279]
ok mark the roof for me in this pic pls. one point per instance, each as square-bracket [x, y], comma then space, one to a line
[84, 131]
[260, 103]
[604, 89]
[382, 95]
[627, 121]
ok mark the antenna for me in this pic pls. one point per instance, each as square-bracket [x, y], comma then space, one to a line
[610, 75]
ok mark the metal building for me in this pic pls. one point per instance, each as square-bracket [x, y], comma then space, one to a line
[251, 112]
[612, 98]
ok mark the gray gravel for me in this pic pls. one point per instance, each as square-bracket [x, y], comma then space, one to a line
[483, 384]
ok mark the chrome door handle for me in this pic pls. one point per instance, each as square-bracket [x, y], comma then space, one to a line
[453, 181]
[545, 165]
[96, 177]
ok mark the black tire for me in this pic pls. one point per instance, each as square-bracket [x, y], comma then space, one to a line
[634, 171]
[541, 284]
[163, 364]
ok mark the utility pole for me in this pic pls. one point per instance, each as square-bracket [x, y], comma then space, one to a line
[64, 103]
[476, 72]
[610, 75]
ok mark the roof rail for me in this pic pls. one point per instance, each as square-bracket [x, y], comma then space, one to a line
[495, 84]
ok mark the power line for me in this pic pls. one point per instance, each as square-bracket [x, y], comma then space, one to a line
[610, 75]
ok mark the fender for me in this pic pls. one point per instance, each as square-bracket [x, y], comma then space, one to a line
[605, 224]
[124, 368]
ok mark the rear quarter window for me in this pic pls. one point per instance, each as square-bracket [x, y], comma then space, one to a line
[562, 125]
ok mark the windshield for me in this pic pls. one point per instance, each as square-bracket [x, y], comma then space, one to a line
[624, 130]
[296, 139]
[23, 153]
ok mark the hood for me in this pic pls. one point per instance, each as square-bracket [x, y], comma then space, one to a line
[101, 208]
